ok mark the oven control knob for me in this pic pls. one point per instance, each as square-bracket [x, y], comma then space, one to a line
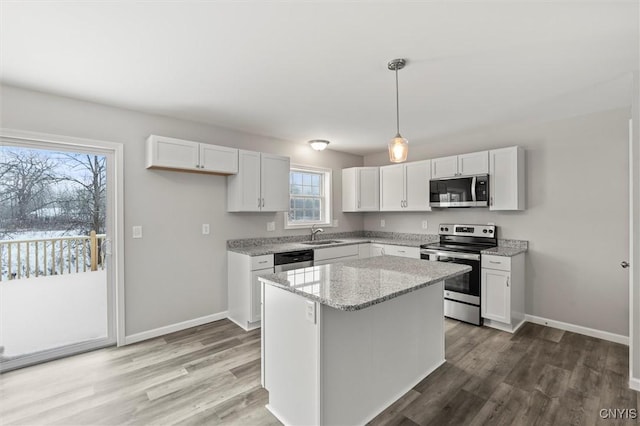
[484, 231]
[442, 229]
[491, 231]
[446, 229]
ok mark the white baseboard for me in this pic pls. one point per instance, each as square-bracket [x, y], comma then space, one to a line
[592, 332]
[246, 327]
[634, 384]
[161, 331]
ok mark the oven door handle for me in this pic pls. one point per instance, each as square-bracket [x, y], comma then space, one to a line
[453, 255]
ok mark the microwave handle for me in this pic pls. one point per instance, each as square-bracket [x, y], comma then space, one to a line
[473, 189]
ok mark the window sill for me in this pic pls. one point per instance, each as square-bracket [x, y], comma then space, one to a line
[308, 225]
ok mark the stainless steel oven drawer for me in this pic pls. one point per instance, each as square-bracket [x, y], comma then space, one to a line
[462, 312]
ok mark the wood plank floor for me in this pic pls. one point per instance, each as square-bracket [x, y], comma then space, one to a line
[211, 375]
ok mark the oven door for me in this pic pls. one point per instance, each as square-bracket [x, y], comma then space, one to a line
[467, 284]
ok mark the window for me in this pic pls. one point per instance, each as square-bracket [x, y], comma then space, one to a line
[309, 197]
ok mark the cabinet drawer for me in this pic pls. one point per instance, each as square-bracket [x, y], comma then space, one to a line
[262, 262]
[335, 252]
[413, 252]
[496, 262]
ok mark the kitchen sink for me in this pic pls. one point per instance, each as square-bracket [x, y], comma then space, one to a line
[320, 242]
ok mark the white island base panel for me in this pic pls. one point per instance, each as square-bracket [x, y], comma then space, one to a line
[324, 366]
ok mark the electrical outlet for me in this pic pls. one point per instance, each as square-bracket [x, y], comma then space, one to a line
[136, 231]
[382, 223]
[205, 229]
[424, 224]
[310, 311]
[271, 226]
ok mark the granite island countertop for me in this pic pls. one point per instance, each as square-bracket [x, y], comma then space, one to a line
[358, 284]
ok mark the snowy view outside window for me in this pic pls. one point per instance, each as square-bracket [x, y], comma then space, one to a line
[51, 201]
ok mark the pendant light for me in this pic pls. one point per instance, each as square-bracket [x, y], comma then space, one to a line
[399, 146]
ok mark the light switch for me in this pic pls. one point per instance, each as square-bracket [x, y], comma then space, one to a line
[310, 311]
[137, 231]
[205, 229]
[271, 226]
[382, 223]
[424, 224]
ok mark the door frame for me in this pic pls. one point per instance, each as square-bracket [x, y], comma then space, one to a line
[634, 235]
[50, 141]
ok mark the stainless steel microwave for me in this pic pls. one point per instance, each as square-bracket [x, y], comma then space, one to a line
[462, 191]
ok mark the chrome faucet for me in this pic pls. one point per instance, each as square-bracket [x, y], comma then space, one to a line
[314, 231]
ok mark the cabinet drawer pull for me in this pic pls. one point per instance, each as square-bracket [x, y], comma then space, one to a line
[263, 261]
[401, 251]
[494, 262]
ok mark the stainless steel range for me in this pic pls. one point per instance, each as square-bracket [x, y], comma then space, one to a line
[462, 244]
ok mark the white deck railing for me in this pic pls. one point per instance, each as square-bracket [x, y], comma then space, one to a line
[50, 256]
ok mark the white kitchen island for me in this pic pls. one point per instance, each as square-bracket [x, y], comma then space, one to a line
[342, 342]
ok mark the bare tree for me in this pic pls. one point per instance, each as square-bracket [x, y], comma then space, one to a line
[26, 177]
[89, 174]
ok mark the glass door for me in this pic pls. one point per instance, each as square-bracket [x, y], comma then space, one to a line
[56, 223]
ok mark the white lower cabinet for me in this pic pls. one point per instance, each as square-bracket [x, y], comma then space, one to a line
[502, 291]
[393, 250]
[323, 256]
[243, 292]
[364, 250]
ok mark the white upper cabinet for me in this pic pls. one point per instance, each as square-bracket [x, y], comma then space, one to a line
[218, 159]
[178, 154]
[405, 187]
[475, 163]
[507, 179]
[392, 187]
[274, 175]
[262, 183]
[444, 167]
[361, 189]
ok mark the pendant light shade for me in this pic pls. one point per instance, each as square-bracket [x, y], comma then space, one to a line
[398, 149]
[399, 146]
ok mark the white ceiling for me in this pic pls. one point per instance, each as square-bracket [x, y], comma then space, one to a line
[310, 70]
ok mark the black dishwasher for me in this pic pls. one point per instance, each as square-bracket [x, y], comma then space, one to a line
[293, 260]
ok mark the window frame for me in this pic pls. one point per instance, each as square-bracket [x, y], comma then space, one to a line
[326, 184]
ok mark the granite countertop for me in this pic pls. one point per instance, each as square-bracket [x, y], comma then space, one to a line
[259, 250]
[265, 246]
[504, 251]
[358, 284]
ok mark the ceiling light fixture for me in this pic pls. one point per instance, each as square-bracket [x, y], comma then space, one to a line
[399, 146]
[319, 144]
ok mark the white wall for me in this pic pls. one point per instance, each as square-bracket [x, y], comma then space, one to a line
[174, 273]
[576, 219]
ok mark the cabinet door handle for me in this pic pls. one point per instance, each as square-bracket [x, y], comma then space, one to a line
[263, 202]
[358, 203]
[258, 202]
[507, 281]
